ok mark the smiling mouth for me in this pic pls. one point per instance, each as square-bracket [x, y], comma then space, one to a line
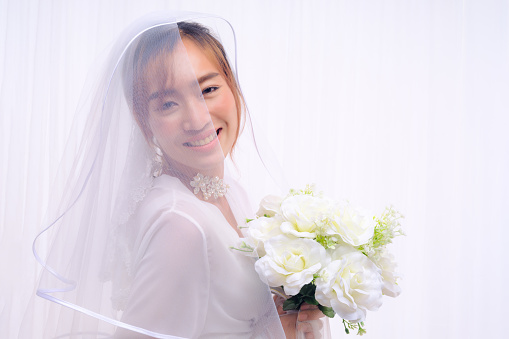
[204, 141]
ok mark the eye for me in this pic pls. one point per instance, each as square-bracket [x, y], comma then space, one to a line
[168, 105]
[210, 89]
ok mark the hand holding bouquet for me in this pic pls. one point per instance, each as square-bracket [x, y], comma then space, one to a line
[324, 253]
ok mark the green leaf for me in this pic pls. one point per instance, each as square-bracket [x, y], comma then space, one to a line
[328, 311]
[292, 304]
[308, 290]
[310, 300]
[249, 220]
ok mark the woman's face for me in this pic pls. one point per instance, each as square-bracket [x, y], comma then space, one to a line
[192, 111]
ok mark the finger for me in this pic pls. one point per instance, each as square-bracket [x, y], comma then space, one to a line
[317, 325]
[305, 327]
[307, 306]
[310, 315]
[288, 318]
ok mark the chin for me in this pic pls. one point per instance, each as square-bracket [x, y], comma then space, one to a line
[209, 165]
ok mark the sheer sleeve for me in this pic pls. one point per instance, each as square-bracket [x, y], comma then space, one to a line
[170, 288]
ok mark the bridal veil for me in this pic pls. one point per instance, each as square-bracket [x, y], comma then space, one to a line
[135, 252]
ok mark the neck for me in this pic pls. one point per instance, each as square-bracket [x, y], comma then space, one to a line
[207, 184]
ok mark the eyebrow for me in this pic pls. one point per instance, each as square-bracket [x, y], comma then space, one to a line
[156, 95]
[207, 77]
[201, 80]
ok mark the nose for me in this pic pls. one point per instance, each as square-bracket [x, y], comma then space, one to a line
[197, 115]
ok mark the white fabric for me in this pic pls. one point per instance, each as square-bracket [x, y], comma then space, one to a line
[211, 291]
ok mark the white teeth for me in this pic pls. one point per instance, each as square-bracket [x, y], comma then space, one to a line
[203, 141]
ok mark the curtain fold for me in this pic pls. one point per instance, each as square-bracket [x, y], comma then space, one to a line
[401, 102]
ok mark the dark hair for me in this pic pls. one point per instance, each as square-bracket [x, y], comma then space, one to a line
[163, 39]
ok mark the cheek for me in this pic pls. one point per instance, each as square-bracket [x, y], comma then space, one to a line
[163, 129]
[224, 108]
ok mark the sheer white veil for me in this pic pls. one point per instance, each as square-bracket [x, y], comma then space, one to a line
[88, 269]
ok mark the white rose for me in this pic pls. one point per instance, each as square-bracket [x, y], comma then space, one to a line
[269, 206]
[302, 214]
[355, 227]
[290, 262]
[262, 229]
[385, 261]
[351, 284]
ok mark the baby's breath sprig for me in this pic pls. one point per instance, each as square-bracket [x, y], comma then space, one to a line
[387, 227]
[354, 326]
[327, 241]
[308, 190]
[243, 247]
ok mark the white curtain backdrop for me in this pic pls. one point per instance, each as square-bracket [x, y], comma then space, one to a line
[381, 102]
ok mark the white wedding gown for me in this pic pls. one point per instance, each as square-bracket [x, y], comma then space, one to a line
[186, 280]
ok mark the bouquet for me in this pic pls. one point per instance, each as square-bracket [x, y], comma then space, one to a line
[324, 253]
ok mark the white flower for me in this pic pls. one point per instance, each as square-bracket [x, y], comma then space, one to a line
[351, 284]
[303, 214]
[262, 229]
[290, 262]
[385, 261]
[269, 206]
[355, 227]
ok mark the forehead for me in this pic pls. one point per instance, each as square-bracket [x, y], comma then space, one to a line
[178, 68]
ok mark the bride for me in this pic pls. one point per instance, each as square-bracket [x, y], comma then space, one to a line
[151, 210]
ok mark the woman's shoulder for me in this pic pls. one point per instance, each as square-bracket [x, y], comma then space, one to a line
[167, 210]
[168, 195]
[170, 204]
[167, 203]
